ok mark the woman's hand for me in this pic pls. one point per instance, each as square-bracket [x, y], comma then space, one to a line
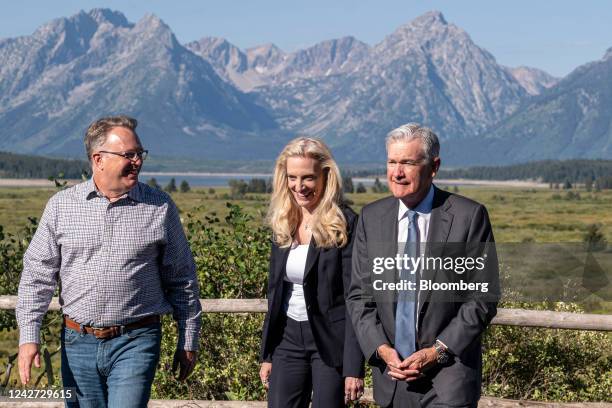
[264, 373]
[353, 389]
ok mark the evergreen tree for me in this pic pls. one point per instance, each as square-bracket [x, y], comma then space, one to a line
[347, 184]
[256, 185]
[171, 186]
[153, 183]
[185, 186]
[379, 187]
[360, 188]
[238, 188]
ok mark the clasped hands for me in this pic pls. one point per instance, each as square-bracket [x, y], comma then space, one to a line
[412, 367]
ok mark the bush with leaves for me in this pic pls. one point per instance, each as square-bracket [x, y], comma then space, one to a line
[232, 262]
[12, 248]
[544, 364]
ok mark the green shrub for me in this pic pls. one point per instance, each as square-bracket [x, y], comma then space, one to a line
[232, 262]
[544, 364]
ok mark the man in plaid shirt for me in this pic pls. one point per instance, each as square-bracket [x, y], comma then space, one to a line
[117, 248]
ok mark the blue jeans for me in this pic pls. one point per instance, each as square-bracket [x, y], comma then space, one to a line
[111, 373]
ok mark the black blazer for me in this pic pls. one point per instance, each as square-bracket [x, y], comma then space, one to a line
[326, 282]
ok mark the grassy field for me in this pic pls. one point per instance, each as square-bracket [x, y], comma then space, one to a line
[517, 215]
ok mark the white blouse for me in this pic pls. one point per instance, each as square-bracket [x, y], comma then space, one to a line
[295, 268]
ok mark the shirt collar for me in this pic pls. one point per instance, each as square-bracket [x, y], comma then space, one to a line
[90, 190]
[424, 207]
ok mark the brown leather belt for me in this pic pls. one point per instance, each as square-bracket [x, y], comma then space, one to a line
[111, 331]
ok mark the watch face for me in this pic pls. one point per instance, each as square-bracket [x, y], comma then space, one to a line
[443, 358]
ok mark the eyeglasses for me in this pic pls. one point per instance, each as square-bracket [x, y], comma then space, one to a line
[131, 156]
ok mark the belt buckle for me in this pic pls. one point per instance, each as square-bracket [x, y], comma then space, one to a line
[97, 332]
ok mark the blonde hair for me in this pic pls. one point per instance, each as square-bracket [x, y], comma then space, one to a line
[284, 215]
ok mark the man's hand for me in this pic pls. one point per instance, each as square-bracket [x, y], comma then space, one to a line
[264, 373]
[186, 360]
[28, 352]
[420, 360]
[396, 371]
[353, 389]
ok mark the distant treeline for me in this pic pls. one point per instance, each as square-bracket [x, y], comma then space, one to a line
[23, 166]
[547, 171]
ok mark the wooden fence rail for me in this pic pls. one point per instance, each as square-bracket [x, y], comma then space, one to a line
[505, 317]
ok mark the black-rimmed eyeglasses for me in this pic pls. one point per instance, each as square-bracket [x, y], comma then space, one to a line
[131, 156]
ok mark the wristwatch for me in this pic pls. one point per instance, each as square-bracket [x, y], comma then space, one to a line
[443, 353]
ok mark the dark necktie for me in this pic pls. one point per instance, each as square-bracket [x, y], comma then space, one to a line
[405, 327]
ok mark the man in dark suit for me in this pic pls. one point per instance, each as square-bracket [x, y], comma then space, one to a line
[424, 345]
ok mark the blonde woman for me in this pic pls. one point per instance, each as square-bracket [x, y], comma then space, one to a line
[309, 348]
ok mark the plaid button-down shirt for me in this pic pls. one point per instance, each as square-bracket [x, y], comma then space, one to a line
[116, 263]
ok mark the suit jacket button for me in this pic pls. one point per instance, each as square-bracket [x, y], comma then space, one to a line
[305, 284]
[308, 307]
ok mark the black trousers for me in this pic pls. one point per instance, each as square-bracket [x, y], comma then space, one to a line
[299, 373]
[419, 394]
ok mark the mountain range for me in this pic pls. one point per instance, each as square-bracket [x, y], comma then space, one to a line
[209, 99]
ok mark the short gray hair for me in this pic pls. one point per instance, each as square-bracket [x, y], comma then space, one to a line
[410, 131]
[98, 131]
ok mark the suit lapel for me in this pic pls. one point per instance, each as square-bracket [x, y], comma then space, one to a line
[441, 220]
[311, 257]
[388, 249]
[439, 229]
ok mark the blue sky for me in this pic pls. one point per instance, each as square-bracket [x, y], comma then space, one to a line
[556, 36]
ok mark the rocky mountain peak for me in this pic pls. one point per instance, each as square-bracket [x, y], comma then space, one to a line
[104, 15]
[269, 50]
[220, 53]
[152, 22]
[264, 56]
[151, 29]
[432, 21]
[429, 30]
[431, 18]
[608, 54]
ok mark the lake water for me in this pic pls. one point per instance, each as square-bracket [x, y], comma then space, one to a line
[199, 179]
[217, 180]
